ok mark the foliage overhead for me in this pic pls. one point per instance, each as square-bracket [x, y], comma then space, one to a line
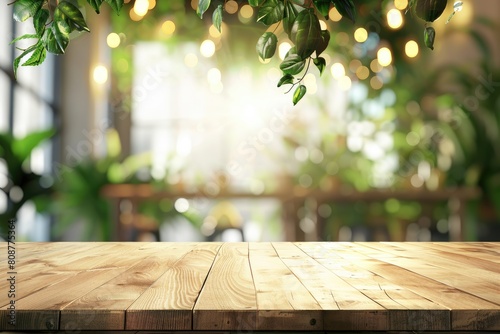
[54, 22]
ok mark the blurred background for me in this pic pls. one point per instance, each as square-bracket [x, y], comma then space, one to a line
[155, 126]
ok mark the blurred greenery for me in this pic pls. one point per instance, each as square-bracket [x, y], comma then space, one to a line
[445, 118]
[22, 184]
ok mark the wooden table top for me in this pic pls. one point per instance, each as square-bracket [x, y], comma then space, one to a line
[279, 286]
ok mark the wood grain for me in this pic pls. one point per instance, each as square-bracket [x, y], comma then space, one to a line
[236, 287]
[168, 303]
[227, 300]
[283, 302]
[104, 307]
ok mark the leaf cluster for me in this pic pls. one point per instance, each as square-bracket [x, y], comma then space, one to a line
[300, 20]
[53, 22]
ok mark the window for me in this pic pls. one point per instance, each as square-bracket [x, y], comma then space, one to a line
[27, 104]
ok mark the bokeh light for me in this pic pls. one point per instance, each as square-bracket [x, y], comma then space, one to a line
[191, 60]
[384, 56]
[113, 40]
[401, 4]
[141, 7]
[361, 35]
[338, 70]
[334, 15]
[394, 18]
[411, 49]
[231, 7]
[100, 74]
[207, 48]
[168, 27]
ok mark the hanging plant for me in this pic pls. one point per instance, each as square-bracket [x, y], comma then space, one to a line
[54, 21]
[430, 11]
[301, 23]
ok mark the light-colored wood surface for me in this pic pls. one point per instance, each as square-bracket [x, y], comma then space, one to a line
[280, 286]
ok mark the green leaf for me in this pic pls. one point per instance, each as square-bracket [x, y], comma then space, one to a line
[23, 147]
[429, 10]
[286, 79]
[202, 7]
[306, 33]
[49, 41]
[289, 15]
[96, 4]
[25, 36]
[24, 9]
[323, 42]
[429, 36]
[39, 21]
[217, 17]
[61, 30]
[346, 8]
[18, 59]
[292, 64]
[320, 63]
[38, 56]
[55, 42]
[255, 3]
[72, 15]
[299, 94]
[323, 6]
[116, 5]
[271, 12]
[266, 45]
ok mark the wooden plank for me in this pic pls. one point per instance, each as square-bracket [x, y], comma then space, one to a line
[463, 306]
[283, 302]
[476, 281]
[52, 298]
[468, 252]
[406, 309]
[28, 320]
[331, 292]
[487, 250]
[104, 307]
[28, 250]
[345, 307]
[168, 303]
[464, 314]
[227, 300]
[33, 274]
[460, 257]
[43, 271]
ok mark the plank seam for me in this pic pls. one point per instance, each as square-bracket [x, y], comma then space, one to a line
[251, 274]
[203, 285]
